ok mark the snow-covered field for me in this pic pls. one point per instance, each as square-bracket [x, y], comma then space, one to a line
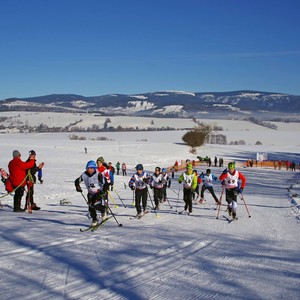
[169, 256]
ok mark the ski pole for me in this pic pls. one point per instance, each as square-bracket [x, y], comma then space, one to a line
[119, 197]
[86, 200]
[169, 203]
[242, 197]
[152, 204]
[119, 224]
[220, 201]
[174, 191]
[178, 199]
[133, 198]
[112, 199]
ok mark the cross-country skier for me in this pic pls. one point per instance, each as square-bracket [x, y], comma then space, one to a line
[166, 182]
[102, 168]
[207, 180]
[196, 192]
[96, 196]
[139, 182]
[234, 182]
[189, 181]
[156, 183]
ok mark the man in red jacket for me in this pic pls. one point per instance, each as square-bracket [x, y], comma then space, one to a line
[17, 176]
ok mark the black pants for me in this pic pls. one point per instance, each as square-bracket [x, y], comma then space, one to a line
[188, 199]
[158, 195]
[211, 190]
[92, 199]
[141, 196]
[231, 195]
[19, 192]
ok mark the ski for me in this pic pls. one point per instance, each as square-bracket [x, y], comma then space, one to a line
[139, 217]
[93, 228]
[184, 212]
[100, 224]
[230, 220]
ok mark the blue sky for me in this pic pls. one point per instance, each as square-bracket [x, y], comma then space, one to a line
[97, 47]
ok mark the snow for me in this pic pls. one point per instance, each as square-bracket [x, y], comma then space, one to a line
[140, 105]
[141, 97]
[169, 109]
[169, 256]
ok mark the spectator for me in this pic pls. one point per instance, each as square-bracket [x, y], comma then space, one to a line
[17, 170]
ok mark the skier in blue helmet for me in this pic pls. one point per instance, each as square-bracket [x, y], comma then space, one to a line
[96, 188]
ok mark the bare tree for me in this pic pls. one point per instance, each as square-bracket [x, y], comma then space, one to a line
[197, 136]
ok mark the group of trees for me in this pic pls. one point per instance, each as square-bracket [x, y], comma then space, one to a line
[205, 134]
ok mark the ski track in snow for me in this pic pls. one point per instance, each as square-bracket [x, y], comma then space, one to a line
[43, 255]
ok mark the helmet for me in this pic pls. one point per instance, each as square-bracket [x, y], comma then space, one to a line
[91, 164]
[157, 169]
[231, 165]
[139, 167]
[189, 166]
[164, 170]
[32, 152]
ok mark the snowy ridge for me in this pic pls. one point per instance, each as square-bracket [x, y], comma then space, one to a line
[249, 101]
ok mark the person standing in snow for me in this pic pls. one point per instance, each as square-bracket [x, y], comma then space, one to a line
[156, 183]
[124, 172]
[235, 183]
[207, 180]
[17, 176]
[118, 165]
[40, 175]
[216, 161]
[138, 183]
[31, 181]
[96, 196]
[189, 181]
[111, 170]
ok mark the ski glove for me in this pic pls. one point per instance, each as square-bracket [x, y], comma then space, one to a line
[78, 189]
[240, 190]
[132, 188]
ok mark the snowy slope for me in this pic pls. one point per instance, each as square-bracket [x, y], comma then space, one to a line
[45, 256]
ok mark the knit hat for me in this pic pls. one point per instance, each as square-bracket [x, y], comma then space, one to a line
[101, 159]
[189, 166]
[16, 153]
[91, 164]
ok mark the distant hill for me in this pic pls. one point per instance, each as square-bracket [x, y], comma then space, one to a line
[164, 104]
